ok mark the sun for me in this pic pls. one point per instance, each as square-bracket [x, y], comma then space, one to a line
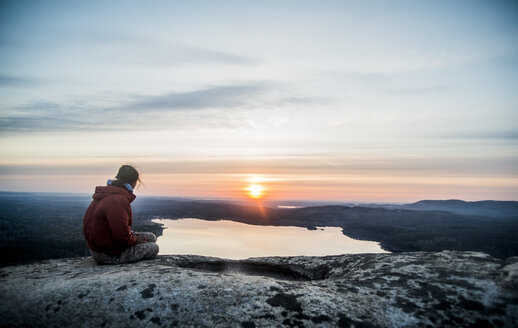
[255, 191]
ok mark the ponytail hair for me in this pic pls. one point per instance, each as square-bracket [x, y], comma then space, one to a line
[126, 174]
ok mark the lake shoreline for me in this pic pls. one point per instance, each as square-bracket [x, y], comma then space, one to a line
[157, 229]
[238, 240]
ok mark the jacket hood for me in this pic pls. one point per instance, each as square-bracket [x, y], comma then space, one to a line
[104, 191]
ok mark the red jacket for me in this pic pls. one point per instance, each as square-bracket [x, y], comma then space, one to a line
[108, 219]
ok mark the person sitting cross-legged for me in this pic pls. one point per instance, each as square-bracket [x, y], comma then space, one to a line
[108, 220]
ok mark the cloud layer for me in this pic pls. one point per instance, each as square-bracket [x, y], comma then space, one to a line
[333, 94]
[138, 112]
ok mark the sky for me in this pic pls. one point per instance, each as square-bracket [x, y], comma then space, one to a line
[367, 101]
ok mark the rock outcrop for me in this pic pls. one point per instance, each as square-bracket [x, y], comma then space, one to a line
[465, 289]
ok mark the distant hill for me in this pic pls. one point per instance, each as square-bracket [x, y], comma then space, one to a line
[489, 208]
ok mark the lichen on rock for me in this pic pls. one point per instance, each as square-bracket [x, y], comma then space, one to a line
[363, 290]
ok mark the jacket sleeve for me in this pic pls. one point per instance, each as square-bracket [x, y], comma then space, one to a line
[118, 216]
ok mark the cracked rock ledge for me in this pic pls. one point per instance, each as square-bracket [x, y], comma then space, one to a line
[446, 289]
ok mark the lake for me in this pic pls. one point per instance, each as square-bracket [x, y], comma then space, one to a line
[234, 240]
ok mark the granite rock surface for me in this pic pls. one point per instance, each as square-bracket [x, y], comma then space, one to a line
[446, 289]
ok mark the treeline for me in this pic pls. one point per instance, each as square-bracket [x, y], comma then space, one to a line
[23, 251]
[500, 242]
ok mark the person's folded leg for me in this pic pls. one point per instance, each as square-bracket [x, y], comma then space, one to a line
[143, 251]
[101, 258]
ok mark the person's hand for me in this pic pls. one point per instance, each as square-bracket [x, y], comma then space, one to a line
[141, 239]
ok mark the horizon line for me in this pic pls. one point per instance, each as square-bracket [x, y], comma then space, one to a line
[244, 200]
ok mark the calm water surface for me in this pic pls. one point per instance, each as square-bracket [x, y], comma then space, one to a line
[234, 240]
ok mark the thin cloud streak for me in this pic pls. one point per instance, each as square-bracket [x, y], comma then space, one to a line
[214, 97]
[509, 135]
[422, 90]
[195, 54]
[140, 111]
[15, 81]
[119, 46]
[325, 167]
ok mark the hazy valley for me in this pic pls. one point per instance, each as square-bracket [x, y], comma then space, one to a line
[37, 226]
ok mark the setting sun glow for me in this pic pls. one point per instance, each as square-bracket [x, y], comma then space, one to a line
[255, 191]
